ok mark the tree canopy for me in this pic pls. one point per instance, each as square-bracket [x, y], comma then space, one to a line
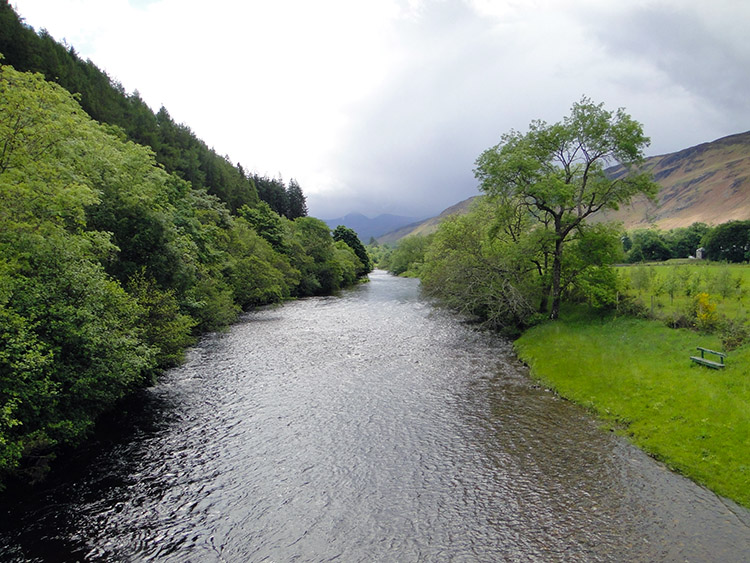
[557, 174]
[110, 265]
[350, 237]
[174, 145]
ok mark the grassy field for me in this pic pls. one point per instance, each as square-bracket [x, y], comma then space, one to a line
[636, 374]
[669, 288]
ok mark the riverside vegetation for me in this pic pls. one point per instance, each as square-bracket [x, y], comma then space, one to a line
[525, 261]
[115, 256]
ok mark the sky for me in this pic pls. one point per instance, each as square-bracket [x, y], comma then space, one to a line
[383, 106]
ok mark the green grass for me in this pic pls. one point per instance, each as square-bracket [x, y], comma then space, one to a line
[727, 284]
[637, 375]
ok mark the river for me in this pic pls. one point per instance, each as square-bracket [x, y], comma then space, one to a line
[364, 427]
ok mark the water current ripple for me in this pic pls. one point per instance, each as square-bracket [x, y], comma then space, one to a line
[366, 427]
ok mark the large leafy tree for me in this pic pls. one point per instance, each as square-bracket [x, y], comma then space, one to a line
[70, 343]
[557, 173]
[730, 242]
[482, 264]
[349, 236]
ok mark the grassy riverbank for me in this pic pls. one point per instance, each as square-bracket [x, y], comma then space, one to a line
[636, 375]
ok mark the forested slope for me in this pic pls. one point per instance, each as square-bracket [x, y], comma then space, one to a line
[113, 258]
[175, 146]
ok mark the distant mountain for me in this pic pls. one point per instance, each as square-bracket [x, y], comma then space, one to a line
[708, 183]
[367, 228]
[427, 226]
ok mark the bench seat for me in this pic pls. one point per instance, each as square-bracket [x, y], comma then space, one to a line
[705, 362]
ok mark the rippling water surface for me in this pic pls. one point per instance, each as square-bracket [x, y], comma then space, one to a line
[366, 427]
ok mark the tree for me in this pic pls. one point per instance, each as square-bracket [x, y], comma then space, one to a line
[321, 273]
[683, 242]
[557, 172]
[349, 236]
[70, 343]
[730, 242]
[478, 264]
[409, 255]
[296, 202]
[273, 192]
[266, 222]
[648, 245]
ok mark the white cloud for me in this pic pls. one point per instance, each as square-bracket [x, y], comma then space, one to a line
[383, 105]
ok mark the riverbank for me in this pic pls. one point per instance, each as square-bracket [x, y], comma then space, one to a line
[637, 376]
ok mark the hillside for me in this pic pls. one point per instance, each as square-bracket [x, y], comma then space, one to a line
[427, 226]
[708, 183]
[367, 228]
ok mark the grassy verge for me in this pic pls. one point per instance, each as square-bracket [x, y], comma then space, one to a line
[637, 375]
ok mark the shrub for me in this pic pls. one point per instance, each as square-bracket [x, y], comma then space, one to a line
[706, 318]
[734, 333]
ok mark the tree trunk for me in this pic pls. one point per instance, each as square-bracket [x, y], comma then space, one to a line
[544, 302]
[556, 276]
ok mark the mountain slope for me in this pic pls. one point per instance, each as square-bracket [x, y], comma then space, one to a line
[367, 228]
[708, 183]
[427, 226]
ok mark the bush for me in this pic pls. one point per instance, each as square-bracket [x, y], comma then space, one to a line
[734, 333]
[706, 319]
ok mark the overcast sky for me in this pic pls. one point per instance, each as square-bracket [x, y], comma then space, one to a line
[382, 106]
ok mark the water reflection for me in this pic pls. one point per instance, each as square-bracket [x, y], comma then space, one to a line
[367, 427]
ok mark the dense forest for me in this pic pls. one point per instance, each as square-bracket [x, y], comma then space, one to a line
[123, 238]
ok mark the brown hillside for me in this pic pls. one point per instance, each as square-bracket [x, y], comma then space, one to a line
[708, 183]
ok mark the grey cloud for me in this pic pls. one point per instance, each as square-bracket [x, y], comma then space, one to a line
[702, 57]
[414, 146]
[467, 79]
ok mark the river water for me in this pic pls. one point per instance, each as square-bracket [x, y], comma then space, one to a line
[364, 427]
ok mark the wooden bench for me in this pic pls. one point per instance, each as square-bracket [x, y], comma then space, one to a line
[709, 363]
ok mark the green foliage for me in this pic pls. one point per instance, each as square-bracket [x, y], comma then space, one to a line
[478, 269]
[165, 328]
[557, 173]
[587, 268]
[493, 263]
[256, 273]
[734, 333]
[641, 278]
[266, 223]
[296, 201]
[323, 266]
[648, 245]
[729, 242]
[409, 255]
[704, 311]
[210, 301]
[380, 254]
[349, 262]
[349, 236]
[273, 192]
[109, 266]
[723, 284]
[655, 245]
[683, 242]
